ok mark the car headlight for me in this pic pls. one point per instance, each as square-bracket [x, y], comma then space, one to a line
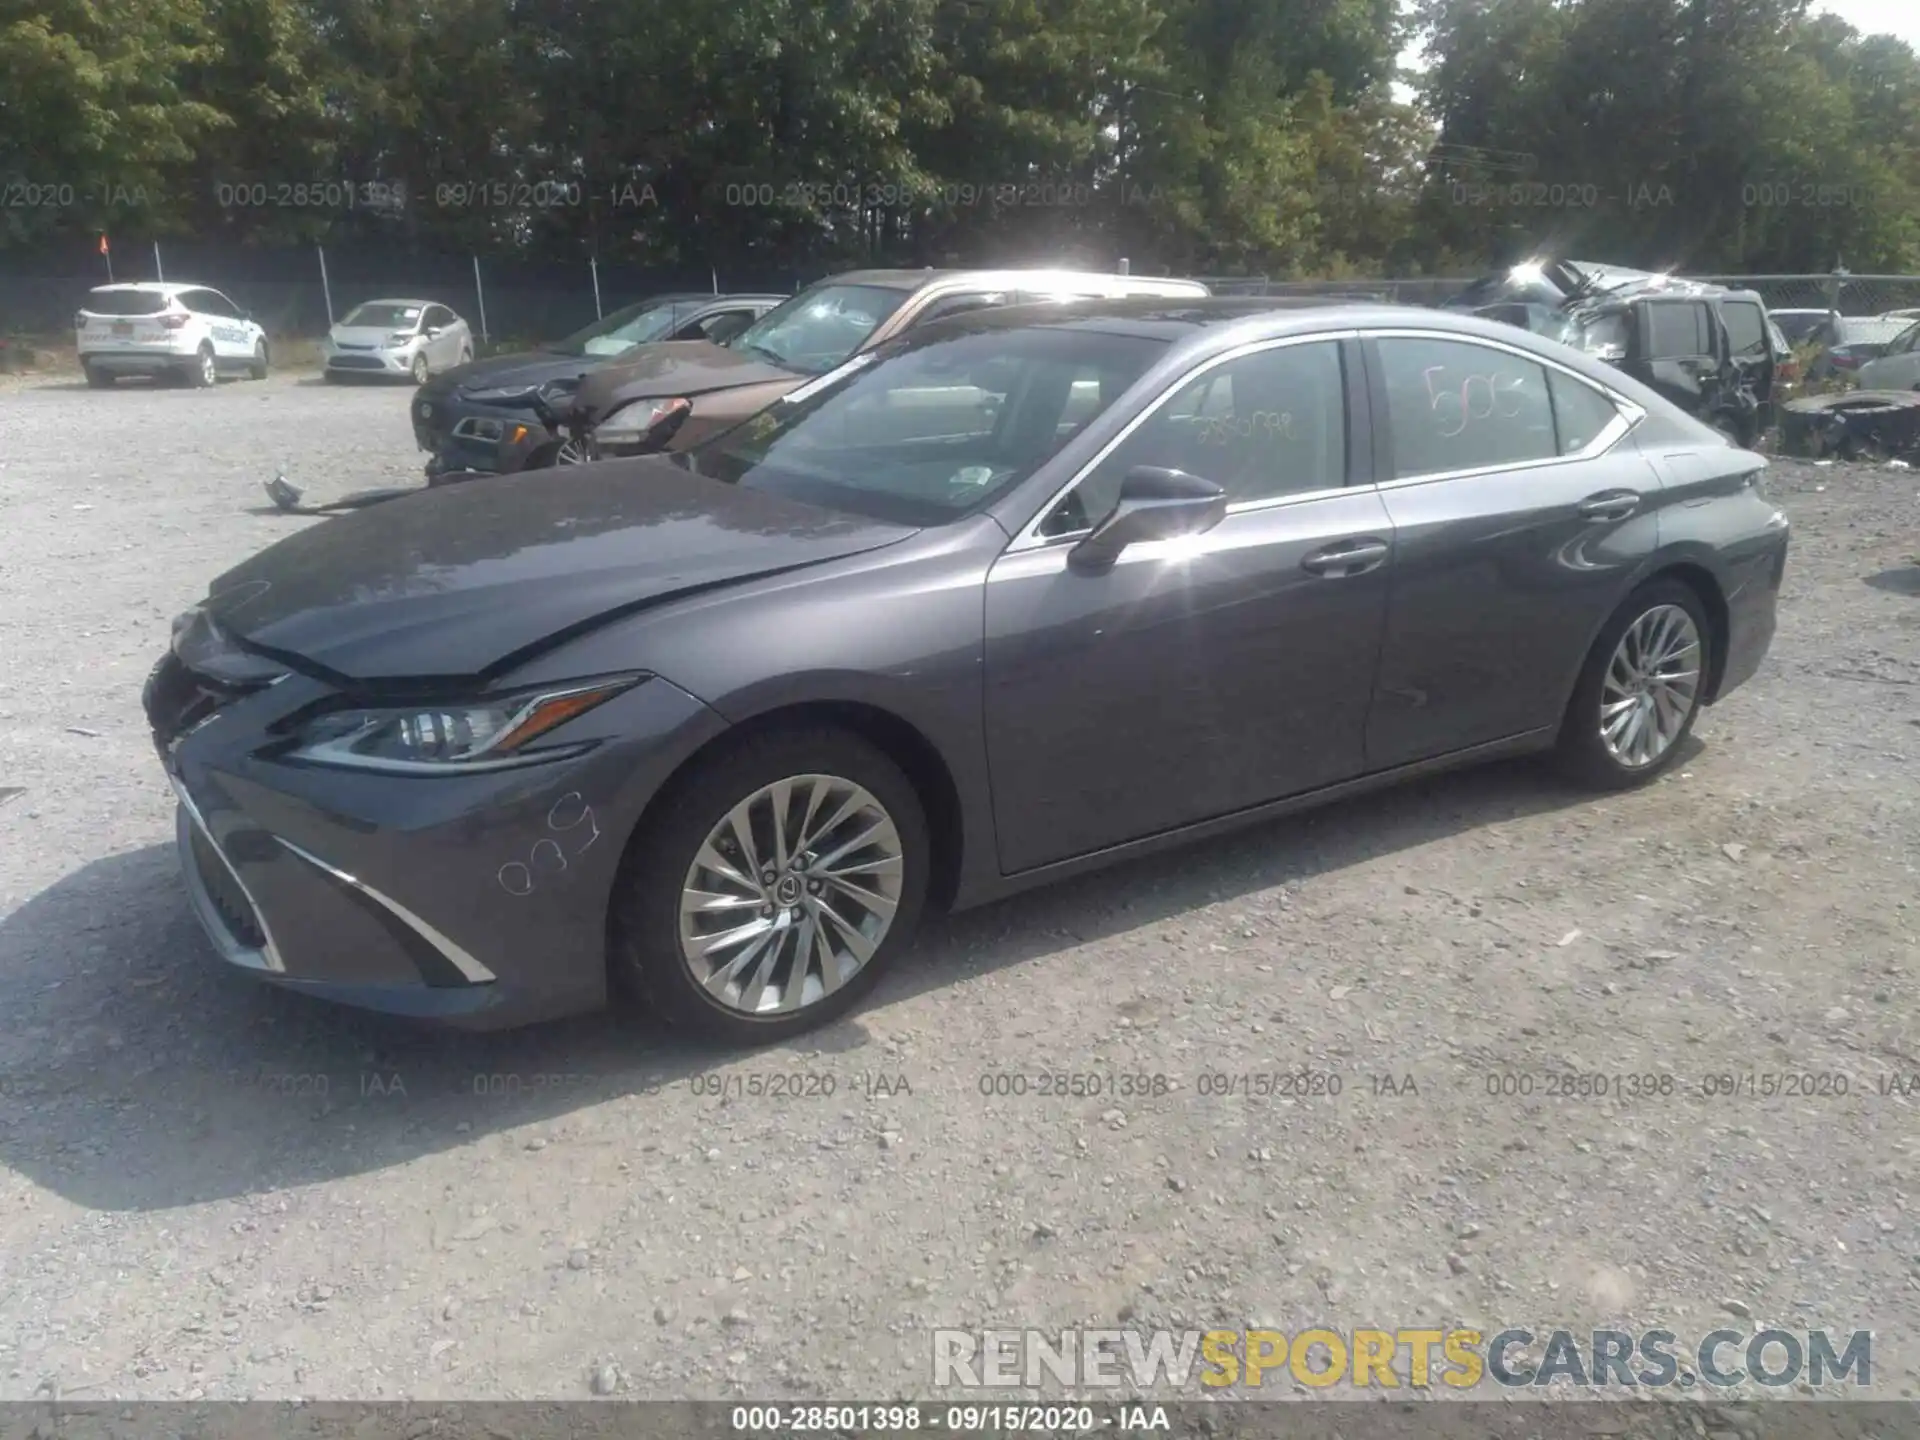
[399, 339]
[632, 424]
[460, 738]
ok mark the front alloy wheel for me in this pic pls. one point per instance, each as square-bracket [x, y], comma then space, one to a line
[420, 368]
[791, 894]
[770, 886]
[205, 372]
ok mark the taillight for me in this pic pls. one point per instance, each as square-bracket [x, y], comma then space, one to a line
[174, 320]
[1844, 359]
[79, 319]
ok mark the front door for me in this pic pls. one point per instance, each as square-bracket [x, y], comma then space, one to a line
[1198, 676]
[1519, 521]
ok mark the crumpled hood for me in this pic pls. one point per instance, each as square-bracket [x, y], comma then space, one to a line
[672, 367]
[508, 372]
[456, 580]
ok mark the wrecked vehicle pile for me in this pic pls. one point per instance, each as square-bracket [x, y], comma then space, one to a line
[1854, 425]
[1705, 347]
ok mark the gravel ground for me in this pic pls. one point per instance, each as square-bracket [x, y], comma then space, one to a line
[211, 1190]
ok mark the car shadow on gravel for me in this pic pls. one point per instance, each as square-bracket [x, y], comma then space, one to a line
[1901, 580]
[138, 1073]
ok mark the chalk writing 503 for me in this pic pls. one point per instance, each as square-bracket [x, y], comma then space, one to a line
[570, 819]
[1478, 397]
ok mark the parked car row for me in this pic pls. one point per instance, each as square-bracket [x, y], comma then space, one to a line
[909, 609]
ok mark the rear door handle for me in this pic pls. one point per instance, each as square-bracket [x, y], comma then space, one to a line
[1612, 505]
[1349, 557]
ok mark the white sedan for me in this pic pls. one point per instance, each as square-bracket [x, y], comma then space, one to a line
[414, 339]
[1897, 367]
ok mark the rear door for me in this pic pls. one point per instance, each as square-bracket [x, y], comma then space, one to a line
[1519, 519]
[1677, 354]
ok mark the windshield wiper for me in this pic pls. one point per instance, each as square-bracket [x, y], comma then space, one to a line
[772, 357]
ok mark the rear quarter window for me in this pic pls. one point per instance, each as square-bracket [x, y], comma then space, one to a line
[1677, 330]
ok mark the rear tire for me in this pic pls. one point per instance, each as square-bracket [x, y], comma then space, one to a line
[652, 930]
[203, 372]
[1640, 684]
[96, 377]
[257, 369]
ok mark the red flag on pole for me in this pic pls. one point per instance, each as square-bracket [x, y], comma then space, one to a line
[103, 244]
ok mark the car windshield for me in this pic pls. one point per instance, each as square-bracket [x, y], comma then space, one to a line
[126, 302]
[384, 315]
[615, 334]
[819, 328]
[922, 434]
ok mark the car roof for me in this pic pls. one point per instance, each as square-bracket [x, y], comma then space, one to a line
[400, 300]
[1800, 310]
[1198, 328]
[152, 287]
[919, 279]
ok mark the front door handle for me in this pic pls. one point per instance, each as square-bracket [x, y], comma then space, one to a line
[1611, 505]
[1349, 557]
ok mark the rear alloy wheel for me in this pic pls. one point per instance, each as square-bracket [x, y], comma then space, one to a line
[421, 370]
[202, 372]
[773, 888]
[1639, 694]
[571, 452]
[257, 368]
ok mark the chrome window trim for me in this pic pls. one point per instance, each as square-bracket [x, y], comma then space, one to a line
[1030, 538]
[1627, 414]
[472, 969]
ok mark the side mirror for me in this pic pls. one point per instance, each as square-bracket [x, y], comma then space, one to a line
[433, 330]
[1154, 504]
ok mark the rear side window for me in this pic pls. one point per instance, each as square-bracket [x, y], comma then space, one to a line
[1746, 330]
[1677, 331]
[1580, 412]
[125, 302]
[1455, 405]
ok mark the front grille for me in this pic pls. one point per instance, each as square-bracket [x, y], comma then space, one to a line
[357, 362]
[236, 911]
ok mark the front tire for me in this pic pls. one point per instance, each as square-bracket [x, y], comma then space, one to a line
[421, 370]
[257, 367]
[1639, 692]
[771, 887]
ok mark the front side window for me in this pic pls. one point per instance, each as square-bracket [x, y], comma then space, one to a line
[1746, 330]
[959, 304]
[1455, 405]
[1265, 425]
[384, 317]
[923, 433]
[1908, 339]
[1602, 336]
[819, 328]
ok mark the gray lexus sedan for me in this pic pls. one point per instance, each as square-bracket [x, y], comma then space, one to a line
[1029, 592]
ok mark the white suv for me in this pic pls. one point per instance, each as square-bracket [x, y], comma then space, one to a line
[149, 327]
